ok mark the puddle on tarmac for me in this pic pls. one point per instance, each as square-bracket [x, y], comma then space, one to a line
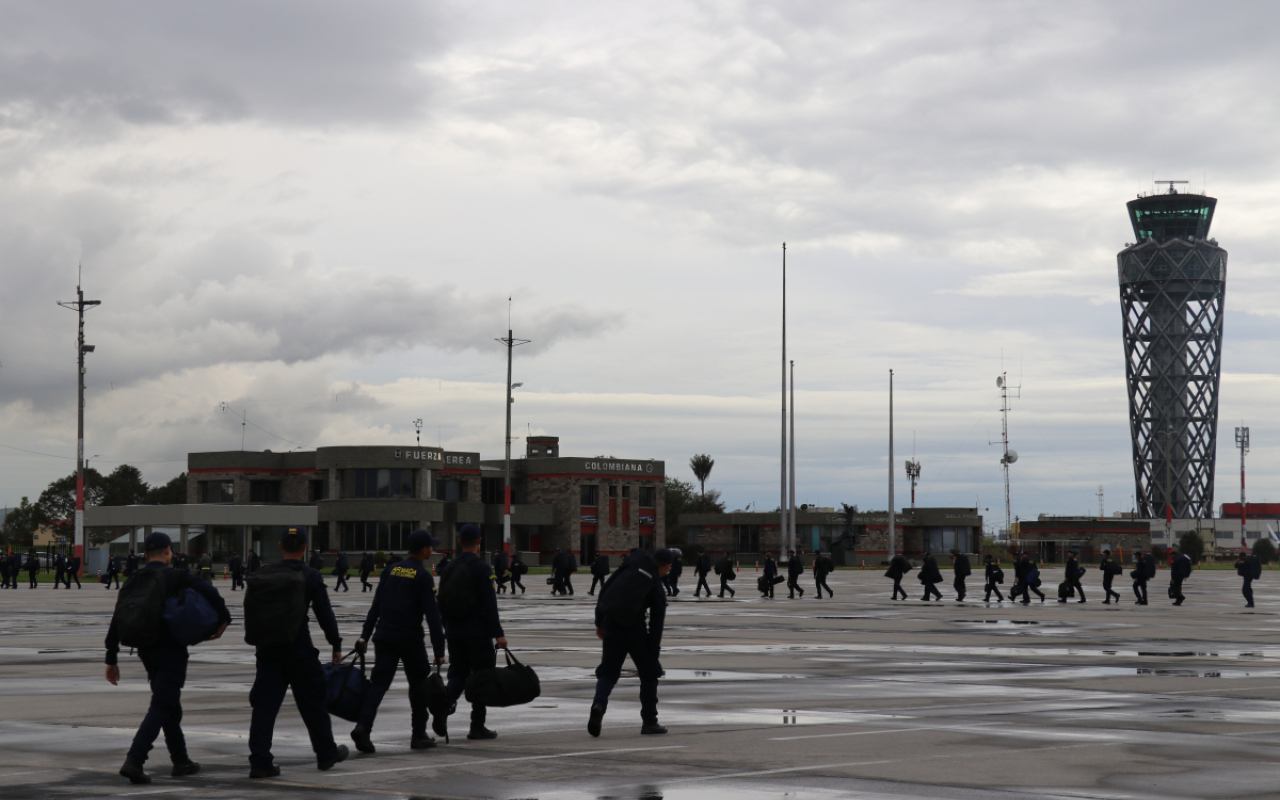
[556, 674]
[996, 621]
[701, 791]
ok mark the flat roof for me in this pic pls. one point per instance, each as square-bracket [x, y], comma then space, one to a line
[200, 514]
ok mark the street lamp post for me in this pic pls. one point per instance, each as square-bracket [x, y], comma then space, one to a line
[79, 305]
[511, 342]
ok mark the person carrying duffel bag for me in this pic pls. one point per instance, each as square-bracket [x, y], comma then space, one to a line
[632, 593]
[345, 687]
[502, 687]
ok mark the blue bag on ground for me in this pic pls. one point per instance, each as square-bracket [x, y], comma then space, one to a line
[189, 617]
[345, 686]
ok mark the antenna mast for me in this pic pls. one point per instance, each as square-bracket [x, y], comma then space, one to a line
[1010, 456]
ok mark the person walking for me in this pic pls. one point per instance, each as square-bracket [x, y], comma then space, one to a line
[518, 570]
[33, 568]
[702, 568]
[1249, 568]
[236, 565]
[73, 571]
[500, 562]
[1110, 567]
[113, 571]
[795, 568]
[822, 567]
[293, 666]
[1074, 573]
[130, 565]
[559, 568]
[206, 567]
[366, 569]
[770, 572]
[406, 597]
[316, 562]
[59, 570]
[673, 577]
[960, 566]
[1139, 575]
[444, 562]
[898, 569]
[631, 594]
[1179, 571]
[599, 572]
[1031, 580]
[930, 576]
[164, 660]
[472, 628]
[340, 568]
[994, 577]
[4, 570]
[255, 561]
[724, 568]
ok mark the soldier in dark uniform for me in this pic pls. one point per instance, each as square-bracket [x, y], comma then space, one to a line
[473, 637]
[700, 568]
[724, 568]
[366, 569]
[4, 570]
[559, 567]
[770, 572]
[599, 571]
[1139, 575]
[930, 576]
[236, 565]
[1030, 580]
[624, 637]
[130, 564]
[960, 565]
[255, 561]
[405, 597]
[993, 575]
[316, 562]
[340, 568]
[500, 562]
[1179, 571]
[445, 560]
[33, 568]
[1249, 568]
[795, 568]
[166, 666]
[571, 566]
[673, 577]
[822, 567]
[898, 569]
[1074, 573]
[518, 569]
[1110, 567]
[59, 570]
[73, 572]
[295, 667]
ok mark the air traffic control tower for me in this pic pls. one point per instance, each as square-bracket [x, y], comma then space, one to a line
[1172, 283]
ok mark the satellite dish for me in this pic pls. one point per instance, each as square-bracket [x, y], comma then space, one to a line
[1012, 457]
[1000, 381]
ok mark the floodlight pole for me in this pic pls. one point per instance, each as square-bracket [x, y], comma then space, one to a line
[79, 305]
[891, 550]
[782, 503]
[511, 342]
[1242, 442]
[791, 531]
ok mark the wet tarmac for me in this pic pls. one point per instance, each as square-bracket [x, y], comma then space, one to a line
[850, 697]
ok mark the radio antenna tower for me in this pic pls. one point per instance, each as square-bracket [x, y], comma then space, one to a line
[913, 469]
[1101, 509]
[1010, 456]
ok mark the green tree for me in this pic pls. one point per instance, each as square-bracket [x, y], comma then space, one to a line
[679, 499]
[847, 538]
[123, 487]
[19, 525]
[173, 493]
[1191, 544]
[701, 466]
[57, 503]
[1265, 550]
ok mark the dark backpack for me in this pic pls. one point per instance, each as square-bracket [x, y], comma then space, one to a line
[140, 608]
[724, 565]
[623, 599]
[275, 605]
[519, 568]
[997, 576]
[962, 568]
[1254, 565]
[1148, 567]
[457, 593]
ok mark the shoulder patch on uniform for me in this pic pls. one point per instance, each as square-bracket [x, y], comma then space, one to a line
[404, 572]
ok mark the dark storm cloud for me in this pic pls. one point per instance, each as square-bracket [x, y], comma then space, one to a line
[162, 62]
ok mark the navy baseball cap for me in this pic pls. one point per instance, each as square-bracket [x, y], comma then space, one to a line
[294, 538]
[157, 541]
[469, 532]
[663, 556]
[420, 539]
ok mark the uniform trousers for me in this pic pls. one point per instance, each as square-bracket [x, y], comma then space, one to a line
[341, 583]
[702, 584]
[413, 654]
[959, 586]
[295, 667]
[618, 644]
[725, 587]
[1247, 590]
[166, 667]
[468, 655]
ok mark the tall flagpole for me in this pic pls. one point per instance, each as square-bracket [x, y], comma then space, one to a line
[891, 550]
[782, 504]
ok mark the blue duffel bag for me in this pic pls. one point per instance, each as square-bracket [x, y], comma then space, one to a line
[189, 617]
[345, 686]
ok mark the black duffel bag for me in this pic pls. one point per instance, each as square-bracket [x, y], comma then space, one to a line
[345, 687]
[500, 687]
[433, 694]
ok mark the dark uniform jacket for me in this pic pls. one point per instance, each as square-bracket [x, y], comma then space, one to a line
[601, 566]
[316, 562]
[655, 606]
[1073, 570]
[341, 566]
[500, 562]
[176, 581]
[236, 565]
[366, 566]
[703, 564]
[73, 566]
[317, 601]
[795, 566]
[770, 567]
[1182, 567]
[929, 572]
[483, 621]
[992, 568]
[961, 566]
[255, 561]
[898, 566]
[33, 562]
[406, 596]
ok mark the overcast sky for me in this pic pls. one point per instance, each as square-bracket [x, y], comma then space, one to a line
[315, 212]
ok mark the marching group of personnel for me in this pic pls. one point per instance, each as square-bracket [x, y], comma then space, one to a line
[161, 610]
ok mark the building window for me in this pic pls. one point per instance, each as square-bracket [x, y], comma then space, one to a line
[451, 491]
[217, 491]
[317, 490]
[648, 496]
[373, 536]
[491, 491]
[264, 491]
[366, 483]
[590, 495]
[747, 538]
[626, 492]
[613, 490]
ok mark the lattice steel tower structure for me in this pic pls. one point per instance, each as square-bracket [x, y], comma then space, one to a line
[1172, 283]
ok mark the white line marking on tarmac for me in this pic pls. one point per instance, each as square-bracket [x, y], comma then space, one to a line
[158, 791]
[503, 760]
[891, 730]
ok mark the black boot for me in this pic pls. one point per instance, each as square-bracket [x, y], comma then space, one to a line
[339, 755]
[481, 732]
[360, 735]
[269, 771]
[652, 729]
[593, 724]
[187, 767]
[421, 741]
[134, 772]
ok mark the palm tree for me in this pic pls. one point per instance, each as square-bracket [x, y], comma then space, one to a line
[701, 466]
